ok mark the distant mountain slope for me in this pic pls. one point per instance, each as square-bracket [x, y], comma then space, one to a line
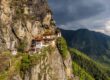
[94, 44]
[86, 68]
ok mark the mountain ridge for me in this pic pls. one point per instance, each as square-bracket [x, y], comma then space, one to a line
[94, 44]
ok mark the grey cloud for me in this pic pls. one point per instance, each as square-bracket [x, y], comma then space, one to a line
[75, 14]
[72, 10]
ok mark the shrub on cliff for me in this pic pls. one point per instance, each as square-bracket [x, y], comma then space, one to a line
[25, 63]
[62, 46]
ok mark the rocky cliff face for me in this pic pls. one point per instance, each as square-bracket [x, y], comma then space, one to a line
[49, 66]
[20, 22]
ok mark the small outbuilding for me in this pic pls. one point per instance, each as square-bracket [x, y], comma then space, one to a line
[14, 52]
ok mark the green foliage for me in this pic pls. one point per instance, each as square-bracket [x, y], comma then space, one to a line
[10, 65]
[89, 65]
[22, 46]
[25, 62]
[50, 49]
[28, 61]
[3, 76]
[62, 46]
[25, 65]
[78, 71]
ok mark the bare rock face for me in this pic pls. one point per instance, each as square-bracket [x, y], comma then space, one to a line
[20, 22]
[51, 66]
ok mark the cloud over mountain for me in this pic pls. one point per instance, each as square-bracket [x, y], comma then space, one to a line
[74, 14]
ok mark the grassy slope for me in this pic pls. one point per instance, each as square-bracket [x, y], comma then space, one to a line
[81, 73]
[88, 65]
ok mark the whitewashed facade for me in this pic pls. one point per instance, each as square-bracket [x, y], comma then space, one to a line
[39, 45]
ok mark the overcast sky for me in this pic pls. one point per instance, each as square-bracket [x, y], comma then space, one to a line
[75, 14]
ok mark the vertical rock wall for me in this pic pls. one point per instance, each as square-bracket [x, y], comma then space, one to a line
[20, 21]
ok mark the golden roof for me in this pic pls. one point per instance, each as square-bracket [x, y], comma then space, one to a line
[38, 38]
